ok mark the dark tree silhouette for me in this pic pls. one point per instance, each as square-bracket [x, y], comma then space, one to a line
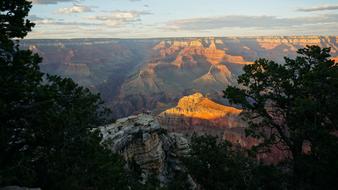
[294, 106]
[47, 123]
[218, 165]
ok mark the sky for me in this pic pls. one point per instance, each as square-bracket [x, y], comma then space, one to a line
[64, 19]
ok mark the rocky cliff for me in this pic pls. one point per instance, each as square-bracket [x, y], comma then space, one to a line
[152, 74]
[197, 110]
[141, 140]
[198, 114]
[297, 41]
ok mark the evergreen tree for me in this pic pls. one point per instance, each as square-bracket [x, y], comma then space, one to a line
[293, 106]
[47, 123]
[218, 165]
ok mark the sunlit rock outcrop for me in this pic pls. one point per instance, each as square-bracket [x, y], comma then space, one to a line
[273, 42]
[197, 114]
[207, 49]
[197, 110]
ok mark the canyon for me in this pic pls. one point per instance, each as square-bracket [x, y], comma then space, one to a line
[135, 75]
[178, 80]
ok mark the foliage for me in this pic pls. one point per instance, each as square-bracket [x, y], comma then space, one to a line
[47, 132]
[293, 106]
[217, 165]
[180, 182]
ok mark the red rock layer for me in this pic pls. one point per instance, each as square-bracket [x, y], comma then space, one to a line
[197, 110]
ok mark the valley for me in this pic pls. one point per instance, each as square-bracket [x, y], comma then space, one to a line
[136, 75]
[168, 95]
[180, 81]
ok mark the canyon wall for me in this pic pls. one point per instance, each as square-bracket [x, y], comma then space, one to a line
[153, 74]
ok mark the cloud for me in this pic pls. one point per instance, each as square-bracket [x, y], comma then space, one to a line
[60, 1]
[319, 8]
[117, 18]
[74, 31]
[113, 18]
[267, 22]
[50, 1]
[74, 9]
[34, 17]
[39, 21]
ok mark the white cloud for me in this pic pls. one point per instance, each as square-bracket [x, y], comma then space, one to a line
[39, 21]
[319, 8]
[50, 1]
[74, 9]
[117, 18]
[240, 21]
[60, 1]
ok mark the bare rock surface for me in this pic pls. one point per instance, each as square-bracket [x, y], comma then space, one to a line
[141, 140]
[198, 110]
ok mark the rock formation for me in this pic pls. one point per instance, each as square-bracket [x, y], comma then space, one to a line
[152, 74]
[294, 41]
[198, 114]
[197, 110]
[335, 59]
[140, 139]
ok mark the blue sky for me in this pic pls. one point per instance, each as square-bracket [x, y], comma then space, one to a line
[182, 18]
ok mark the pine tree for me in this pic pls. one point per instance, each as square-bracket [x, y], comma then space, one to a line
[47, 123]
[294, 106]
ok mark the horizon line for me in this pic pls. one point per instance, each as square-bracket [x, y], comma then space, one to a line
[139, 38]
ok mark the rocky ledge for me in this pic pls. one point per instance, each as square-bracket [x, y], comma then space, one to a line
[141, 140]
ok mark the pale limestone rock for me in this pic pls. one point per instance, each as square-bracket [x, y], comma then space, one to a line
[140, 139]
[270, 43]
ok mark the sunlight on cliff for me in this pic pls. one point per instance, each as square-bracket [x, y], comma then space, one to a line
[196, 109]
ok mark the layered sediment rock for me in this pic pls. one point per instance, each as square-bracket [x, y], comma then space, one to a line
[207, 49]
[133, 75]
[197, 110]
[273, 42]
[141, 140]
